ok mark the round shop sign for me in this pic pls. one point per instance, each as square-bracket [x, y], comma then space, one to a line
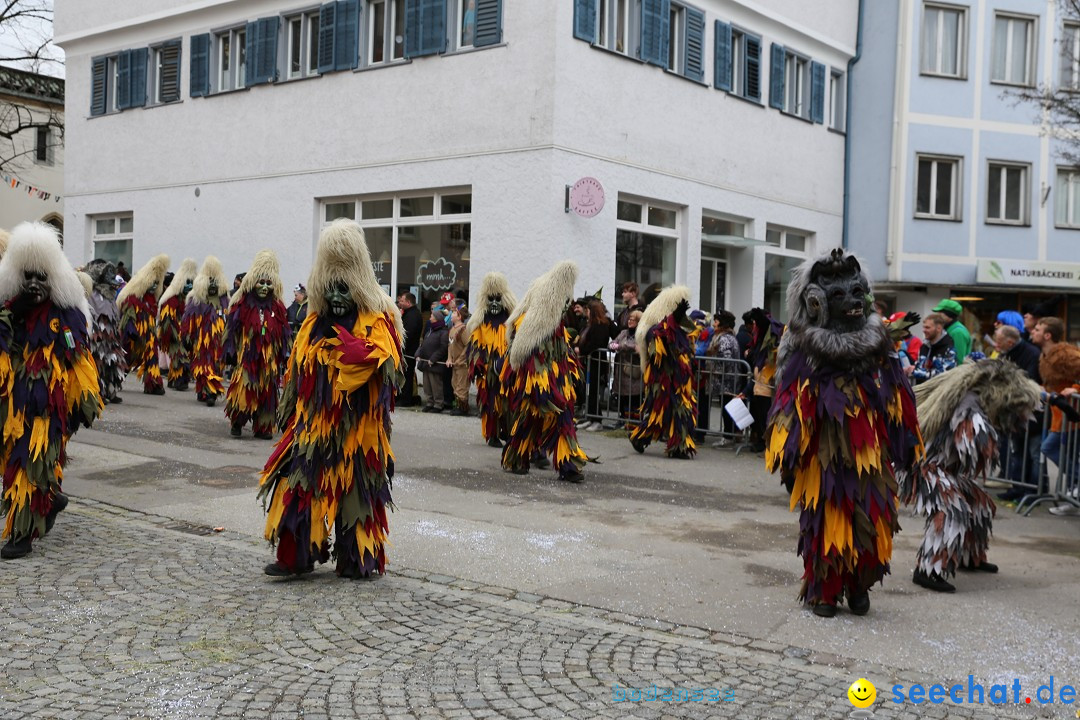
[439, 274]
[587, 197]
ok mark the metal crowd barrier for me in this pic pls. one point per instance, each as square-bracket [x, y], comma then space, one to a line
[611, 392]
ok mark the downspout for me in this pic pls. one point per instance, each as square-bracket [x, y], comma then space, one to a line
[847, 126]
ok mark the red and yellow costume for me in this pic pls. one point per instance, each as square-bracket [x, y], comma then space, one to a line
[203, 329]
[138, 323]
[170, 315]
[486, 352]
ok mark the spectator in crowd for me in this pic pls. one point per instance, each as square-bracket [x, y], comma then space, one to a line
[960, 335]
[431, 361]
[765, 333]
[297, 312]
[629, 293]
[456, 361]
[595, 336]
[745, 336]
[1059, 367]
[705, 331]
[413, 322]
[907, 344]
[725, 382]
[1012, 347]
[1030, 313]
[122, 271]
[937, 354]
[1010, 318]
[628, 367]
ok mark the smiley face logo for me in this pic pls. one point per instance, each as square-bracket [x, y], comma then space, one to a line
[862, 693]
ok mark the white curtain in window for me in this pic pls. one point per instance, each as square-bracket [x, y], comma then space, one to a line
[1074, 205]
[929, 40]
[1018, 65]
[1001, 45]
[950, 39]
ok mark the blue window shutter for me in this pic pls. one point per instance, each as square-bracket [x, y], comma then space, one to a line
[776, 77]
[694, 49]
[722, 59]
[170, 72]
[655, 26]
[123, 80]
[585, 20]
[260, 45]
[98, 69]
[432, 27]
[346, 47]
[488, 23]
[817, 92]
[200, 65]
[327, 25]
[251, 54]
[412, 28]
[752, 63]
[139, 60]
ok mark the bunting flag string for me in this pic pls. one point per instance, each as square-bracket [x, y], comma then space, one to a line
[15, 183]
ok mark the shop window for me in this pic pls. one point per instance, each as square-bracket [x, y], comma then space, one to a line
[112, 237]
[646, 241]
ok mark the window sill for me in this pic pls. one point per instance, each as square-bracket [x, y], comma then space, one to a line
[227, 92]
[473, 48]
[797, 117]
[609, 51]
[752, 101]
[379, 66]
[837, 131]
[1008, 223]
[162, 104]
[940, 76]
[1066, 227]
[300, 78]
[702, 83]
[939, 218]
[1006, 83]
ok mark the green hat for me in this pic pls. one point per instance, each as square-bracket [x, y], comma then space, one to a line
[949, 305]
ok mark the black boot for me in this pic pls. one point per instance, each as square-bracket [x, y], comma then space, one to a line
[494, 442]
[116, 400]
[981, 567]
[573, 477]
[638, 445]
[859, 602]
[276, 570]
[59, 502]
[825, 610]
[932, 581]
[541, 462]
[14, 550]
[211, 400]
[235, 430]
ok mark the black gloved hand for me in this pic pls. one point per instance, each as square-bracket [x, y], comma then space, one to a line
[1062, 403]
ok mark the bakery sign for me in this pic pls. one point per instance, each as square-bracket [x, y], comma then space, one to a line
[439, 274]
[1028, 272]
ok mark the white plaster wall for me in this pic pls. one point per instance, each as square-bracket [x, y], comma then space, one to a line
[16, 205]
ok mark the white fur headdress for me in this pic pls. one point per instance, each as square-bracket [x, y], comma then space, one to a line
[494, 283]
[150, 273]
[265, 266]
[4, 237]
[200, 289]
[343, 256]
[36, 246]
[543, 306]
[663, 305]
[87, 282]
[188, 270]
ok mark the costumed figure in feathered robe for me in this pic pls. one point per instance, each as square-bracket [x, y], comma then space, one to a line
[962, 413]
[765, 335]
[202, 329]
[538, 379]
[48, 380]
[170, 314]
[669, 402]
[843, 418]
[486, 352]
[105, 330]
[258, 334]
[333, 465]
[138, 322]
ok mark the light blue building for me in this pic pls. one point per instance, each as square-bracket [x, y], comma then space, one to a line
[954, 188]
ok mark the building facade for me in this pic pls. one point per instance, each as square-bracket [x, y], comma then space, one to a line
[31, 148]
[709, 137]
[956, 189]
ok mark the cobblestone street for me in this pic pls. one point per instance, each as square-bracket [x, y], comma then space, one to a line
[122, 614]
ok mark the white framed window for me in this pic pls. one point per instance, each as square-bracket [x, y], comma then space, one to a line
[1070, 56]
[647, 236]
[837, 98]
[787, 248]
[419, 241]
[165, 59]
[1067, 198]
[614, 21]
[112, 236]
[745, 64]
[937, 187]
[796, 84]
[231, 58]
[1007, 192]
[302, 45]
[43, 145]
[1013, 58]
[385, 31]
[788, 239]
[466, 23]
[676, 38]
[113, 73]
[944, 40]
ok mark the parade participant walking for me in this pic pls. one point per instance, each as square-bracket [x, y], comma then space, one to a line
[961, 414]
[50, 381]
[539, 378]
[844, 416]
[258, 334]
[105, 330]
[486, 351]
[202, 329]
[665, 345]
[170, 314]
[333, 465]
[138, 322]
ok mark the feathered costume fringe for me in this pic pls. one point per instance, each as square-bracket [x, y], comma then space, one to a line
[138, 334]
[258, 333]
[333, 464]
[50, 387]
[203, 330]
[486, 353]
[540, 398]
[169, 336]
[669, 400]
[105, 344]
[834, 435]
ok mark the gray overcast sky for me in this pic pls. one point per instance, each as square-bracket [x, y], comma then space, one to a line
[14, 38]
